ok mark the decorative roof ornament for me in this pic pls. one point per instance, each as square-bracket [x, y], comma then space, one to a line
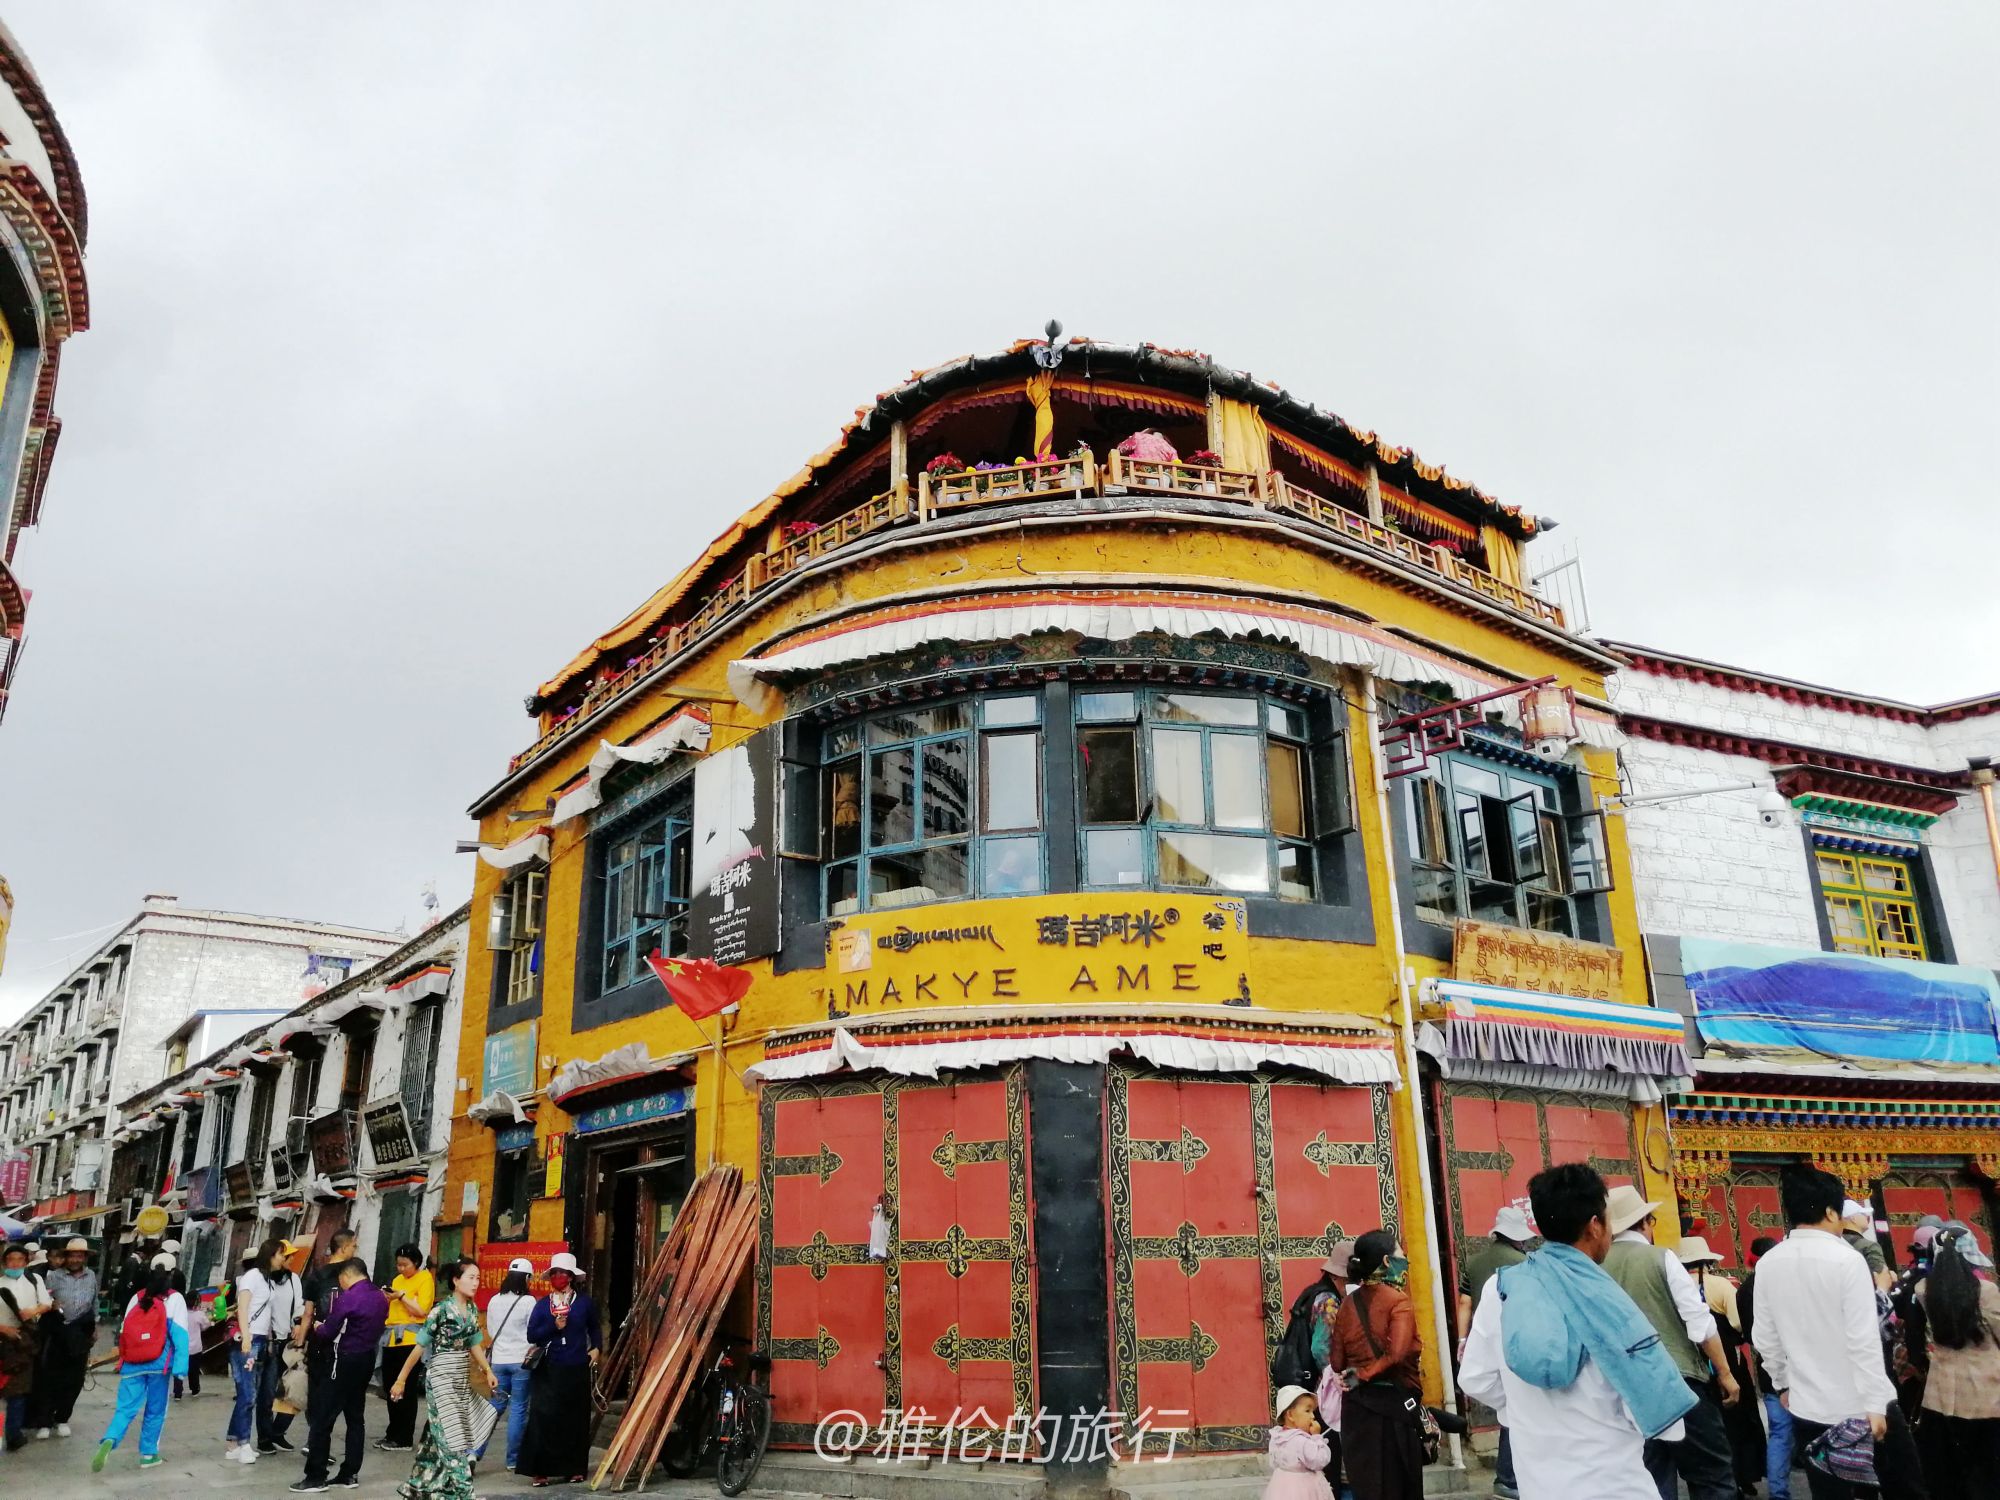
[1049, 353]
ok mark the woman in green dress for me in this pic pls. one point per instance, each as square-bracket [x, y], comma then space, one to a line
[460, 1421]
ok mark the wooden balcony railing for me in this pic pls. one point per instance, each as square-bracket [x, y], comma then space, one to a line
[1054, 476]
[1196, 481]
[967, 489]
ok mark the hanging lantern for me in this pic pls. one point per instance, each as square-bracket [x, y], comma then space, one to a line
[1548, 714]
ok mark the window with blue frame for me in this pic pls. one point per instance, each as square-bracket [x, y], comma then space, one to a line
[645, 893]
[1207, 790]
[934, 803]
[1490, 841]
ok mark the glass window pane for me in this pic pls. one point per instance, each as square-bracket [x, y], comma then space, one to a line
[624, 900]
[1205, 708]
[1427, 822]
[1106, 706]
[1476, 779]
[1013, 772]
[1849, 921]
[844, 740]
[1490, 902]
[843, 806]
[1471, 835]
[920, 875]
[1109, 771]
[1525, 825]
[1835, 869]
[916, 723]
[1178, 795]
[1013, 866]
[1880, 875]
[892, 798]
[1549, 914]
[1896, 932]
[1238, 780]
[841, 890]
[1295, 872]
[995, 712]
[1435, 893]
[1113, 856]
[1288, 792]
[946, 787]
[1282, 718]
[1213, 861]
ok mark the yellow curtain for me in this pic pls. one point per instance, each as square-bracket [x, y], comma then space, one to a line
[1503, 555]
[1039, 385]
[1246, 441]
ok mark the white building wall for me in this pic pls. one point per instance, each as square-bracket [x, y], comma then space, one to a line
[1707, 867]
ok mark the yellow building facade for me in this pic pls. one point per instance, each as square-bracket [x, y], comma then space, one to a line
[1165, 835]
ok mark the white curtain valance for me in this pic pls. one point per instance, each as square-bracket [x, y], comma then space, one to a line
[846, 1049]
[1325, 637]
[684, 731]
[534, 847]
[629, 1061]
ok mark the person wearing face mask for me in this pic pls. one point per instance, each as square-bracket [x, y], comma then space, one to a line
[564, 1327]
[22, 1305]
[1376, 1348]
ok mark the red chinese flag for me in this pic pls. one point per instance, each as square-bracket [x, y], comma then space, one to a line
[700, 986]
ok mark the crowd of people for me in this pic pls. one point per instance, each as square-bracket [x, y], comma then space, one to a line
[1621, 1370]
[315, 1342]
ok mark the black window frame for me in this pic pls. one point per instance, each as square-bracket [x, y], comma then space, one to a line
[596, 1005]
[516, 928]
[423, 1036]
[506, 1161]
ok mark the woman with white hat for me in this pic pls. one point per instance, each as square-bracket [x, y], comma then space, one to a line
[563, 1327]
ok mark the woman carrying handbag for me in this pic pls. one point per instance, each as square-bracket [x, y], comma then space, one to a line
[507, 1328]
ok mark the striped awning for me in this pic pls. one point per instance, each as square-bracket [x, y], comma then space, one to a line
[1492, 1024]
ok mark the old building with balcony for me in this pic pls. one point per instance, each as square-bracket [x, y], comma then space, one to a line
[111, 1028]
[44, 298]
[1164, 829]
[1819, 882]
[334, 1114]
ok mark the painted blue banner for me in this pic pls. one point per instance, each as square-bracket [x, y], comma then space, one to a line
[510, 1061]
[661, 1106]
[514, 1138]
[1793, 1001]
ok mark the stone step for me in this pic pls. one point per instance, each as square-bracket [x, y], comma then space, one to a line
[916, 1479]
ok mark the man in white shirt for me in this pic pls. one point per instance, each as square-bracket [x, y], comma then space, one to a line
[1581, 1438]
[1819, 1337]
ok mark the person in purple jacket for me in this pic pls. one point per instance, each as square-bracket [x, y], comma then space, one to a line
[352, 1325]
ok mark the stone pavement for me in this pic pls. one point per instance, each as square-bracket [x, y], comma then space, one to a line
[59, 1468]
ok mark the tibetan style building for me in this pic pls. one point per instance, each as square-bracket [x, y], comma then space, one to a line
[1835, 955]
[1165, 830]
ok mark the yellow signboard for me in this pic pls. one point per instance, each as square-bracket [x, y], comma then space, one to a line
[1088, 947]
[1518, 959]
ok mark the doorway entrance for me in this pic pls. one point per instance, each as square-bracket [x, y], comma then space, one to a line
[633, 1185]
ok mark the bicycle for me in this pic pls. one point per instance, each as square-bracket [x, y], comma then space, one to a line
[729, 1414]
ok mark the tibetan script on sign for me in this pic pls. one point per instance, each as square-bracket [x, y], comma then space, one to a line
[1092, 946]
[388, 1127]
[1516, 958]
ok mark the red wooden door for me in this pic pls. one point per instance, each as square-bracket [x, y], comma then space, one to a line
[963, 1298]
[1188, 1293]
[1334, 1175]
[821, 1299]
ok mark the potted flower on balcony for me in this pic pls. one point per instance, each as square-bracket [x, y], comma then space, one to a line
[945, 463]
[1204, 458]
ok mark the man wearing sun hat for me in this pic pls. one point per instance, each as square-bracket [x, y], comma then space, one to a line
[1666, 1294]
[66, 1339]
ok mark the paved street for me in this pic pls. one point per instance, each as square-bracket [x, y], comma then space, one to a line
[59, 1469]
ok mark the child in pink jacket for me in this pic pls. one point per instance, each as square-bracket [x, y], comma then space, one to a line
[1299, 1454]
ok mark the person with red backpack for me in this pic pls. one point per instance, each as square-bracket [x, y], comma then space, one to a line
[152, 1346]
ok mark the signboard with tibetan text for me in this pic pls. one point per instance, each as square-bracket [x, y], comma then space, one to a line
[1091, 946]
[1518, 959]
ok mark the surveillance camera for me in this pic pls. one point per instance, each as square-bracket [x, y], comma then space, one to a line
[1773, 811]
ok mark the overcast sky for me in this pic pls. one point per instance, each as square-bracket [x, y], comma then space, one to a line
[430, 339]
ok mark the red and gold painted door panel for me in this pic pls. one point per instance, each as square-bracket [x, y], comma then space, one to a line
[945, 1322]
[1497, 1137]
[963, 1283]
[820, 1299]
[1910, 1192]
[1216, 1188]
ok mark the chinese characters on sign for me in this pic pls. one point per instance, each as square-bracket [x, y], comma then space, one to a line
[388, 1127]
[733, 883]
[913, 1435]
[1518, 959]
[510, 1061]
[332, 1138]
[1087, 947]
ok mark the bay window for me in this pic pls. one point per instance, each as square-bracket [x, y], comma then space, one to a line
[1206, 791]
[1492, 843]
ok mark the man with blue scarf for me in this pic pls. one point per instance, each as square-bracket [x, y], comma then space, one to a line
[1566, 1358]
